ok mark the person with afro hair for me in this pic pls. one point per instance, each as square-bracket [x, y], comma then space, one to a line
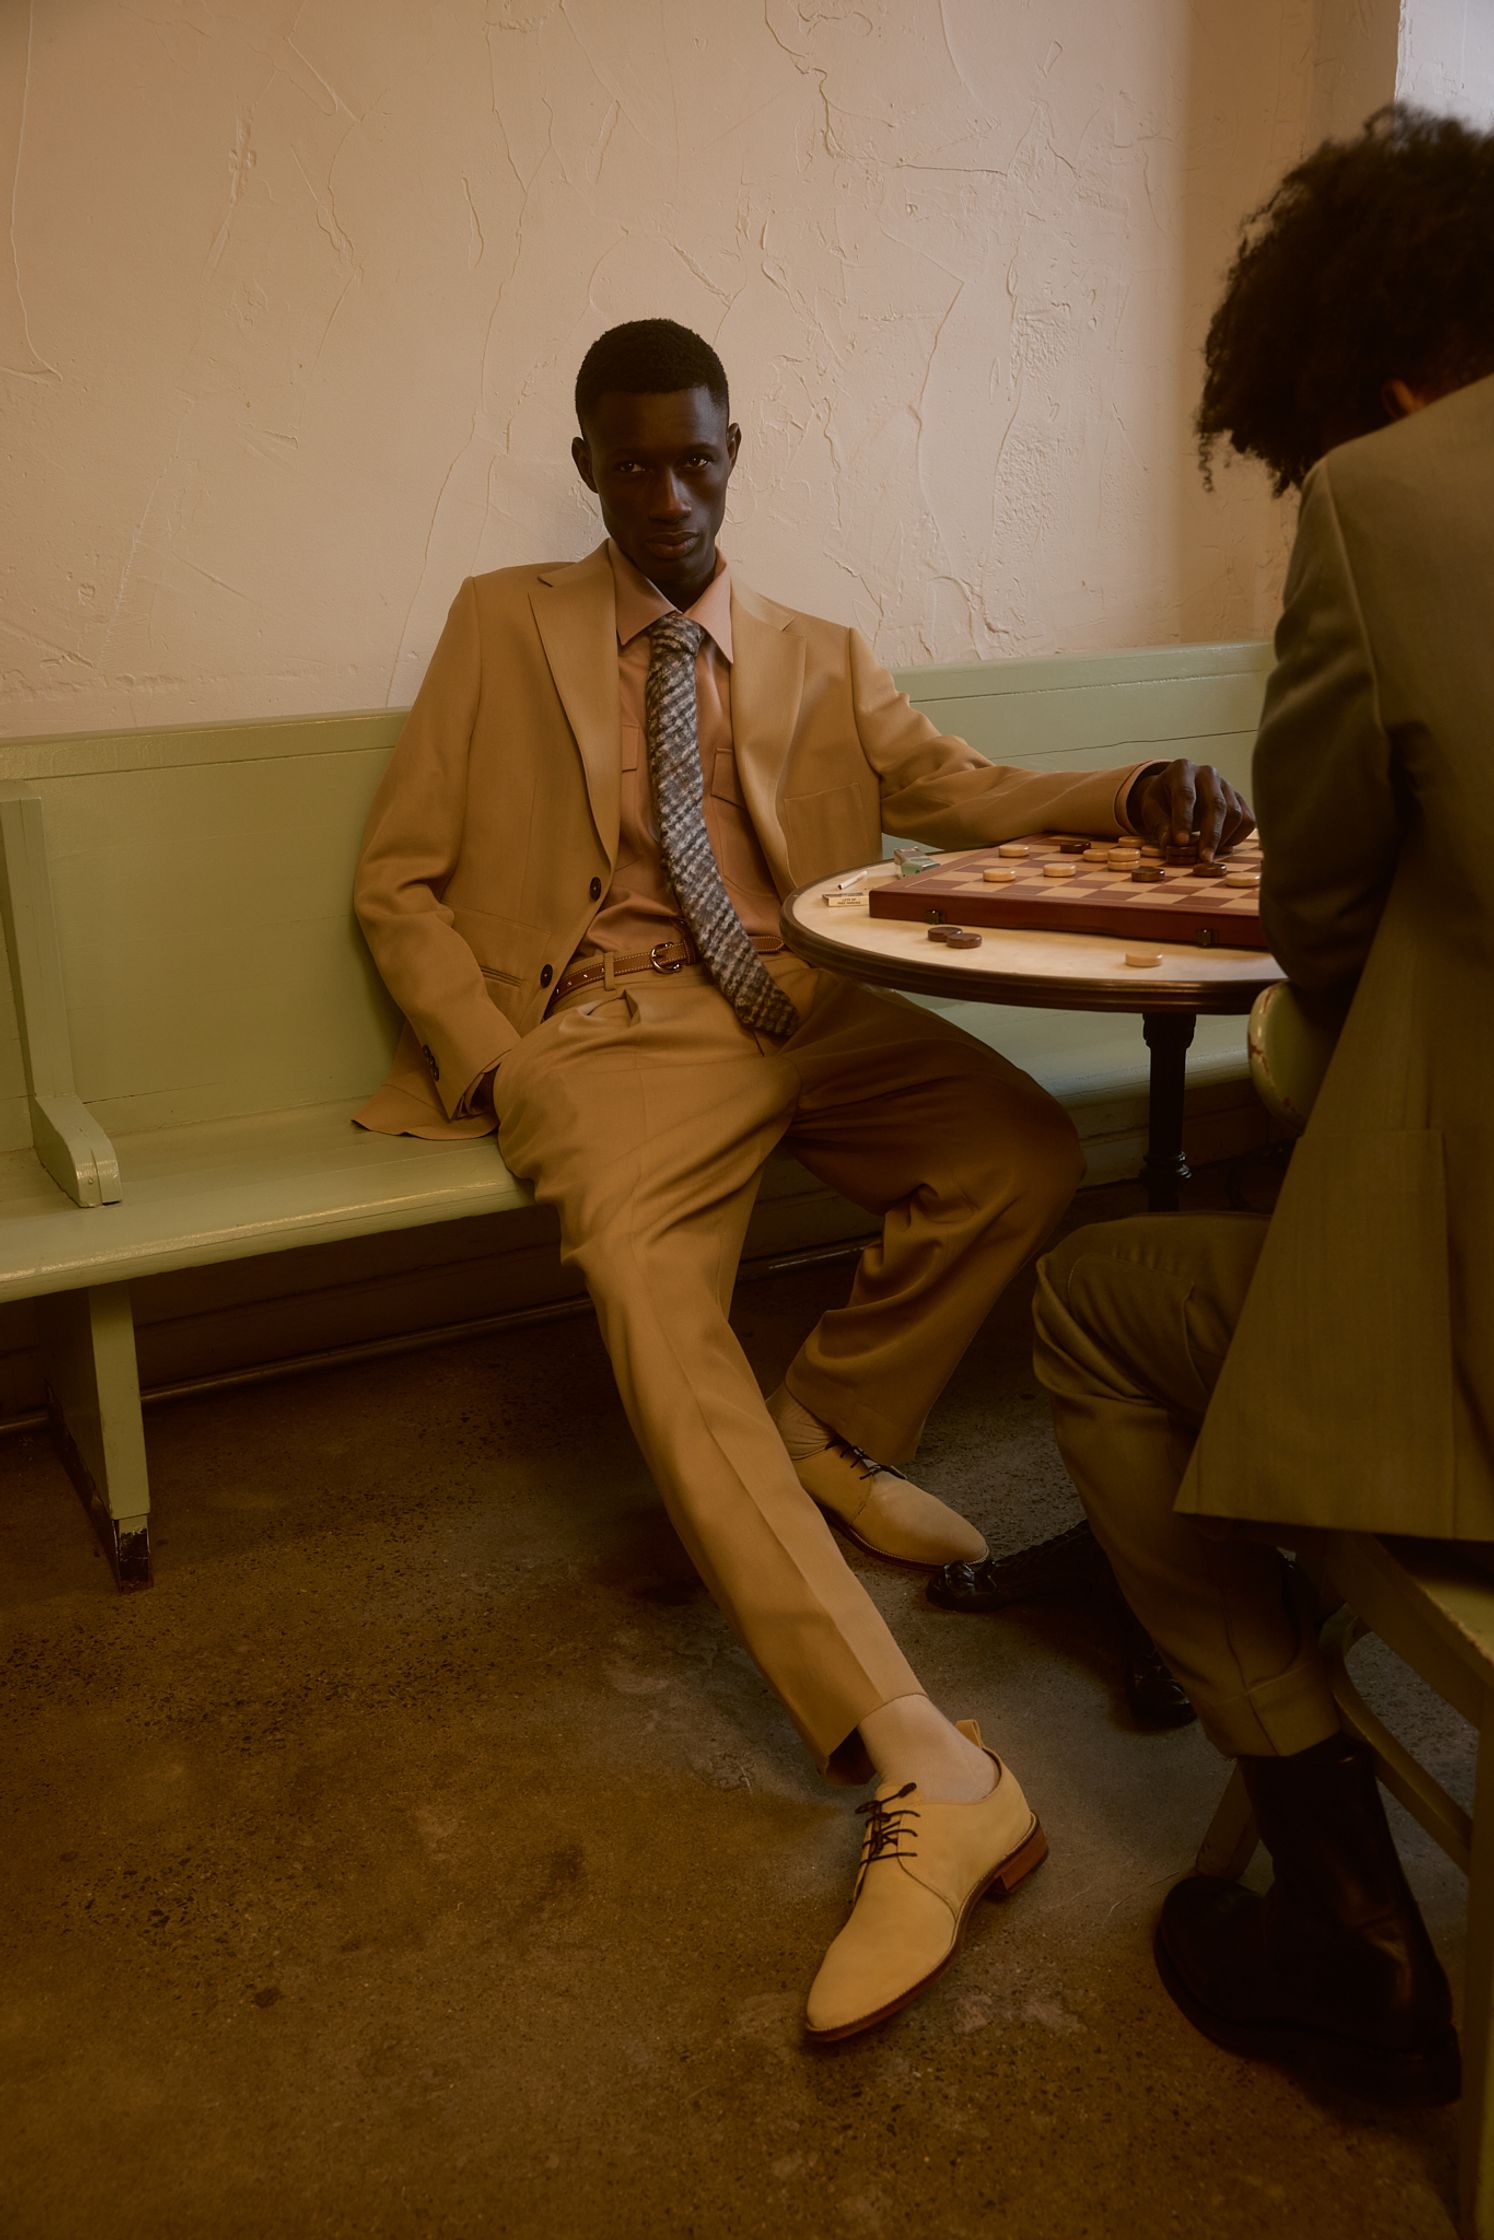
[1224, 1386]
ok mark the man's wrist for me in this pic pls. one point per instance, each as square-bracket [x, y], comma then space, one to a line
[1132, 805]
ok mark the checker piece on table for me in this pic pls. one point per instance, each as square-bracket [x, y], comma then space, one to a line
[1058, 882]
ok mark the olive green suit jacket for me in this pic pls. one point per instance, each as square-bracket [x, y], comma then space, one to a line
[1359, 1389]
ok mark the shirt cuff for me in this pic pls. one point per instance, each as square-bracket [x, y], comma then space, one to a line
[477, 1097]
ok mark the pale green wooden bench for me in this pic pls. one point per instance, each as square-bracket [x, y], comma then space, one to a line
[192, 1016]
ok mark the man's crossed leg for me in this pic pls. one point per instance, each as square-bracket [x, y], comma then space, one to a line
[645, 1117]
[1332, 1971]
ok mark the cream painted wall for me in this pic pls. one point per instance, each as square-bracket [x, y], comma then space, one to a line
[1447, 57]
[298, 288]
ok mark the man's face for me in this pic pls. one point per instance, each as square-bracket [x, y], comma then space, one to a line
[660, 465]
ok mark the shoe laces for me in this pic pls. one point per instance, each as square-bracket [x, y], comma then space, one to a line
[865, 1466]
[887, 1824]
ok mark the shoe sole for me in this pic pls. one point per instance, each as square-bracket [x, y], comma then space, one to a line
[1002, 1880]
[1429, 2076]
[838, 1524]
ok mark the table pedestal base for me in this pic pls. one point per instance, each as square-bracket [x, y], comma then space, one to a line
[1165, 1169]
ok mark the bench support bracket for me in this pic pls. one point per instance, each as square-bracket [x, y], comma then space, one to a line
[93, 1401]
[69, 1142]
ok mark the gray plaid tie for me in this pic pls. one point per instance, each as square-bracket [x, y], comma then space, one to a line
[674, 771]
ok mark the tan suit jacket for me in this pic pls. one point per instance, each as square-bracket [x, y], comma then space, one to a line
[493, 834]
[1359, 1389]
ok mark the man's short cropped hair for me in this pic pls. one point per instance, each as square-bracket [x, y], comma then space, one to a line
[1372, 262]
[646, 358]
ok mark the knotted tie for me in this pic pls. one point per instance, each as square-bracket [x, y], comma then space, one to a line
[719, 935]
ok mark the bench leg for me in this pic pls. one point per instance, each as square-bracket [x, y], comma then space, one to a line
[93, 1399]
[1477, 2146]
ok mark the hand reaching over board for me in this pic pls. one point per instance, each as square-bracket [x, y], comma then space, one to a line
[1184, 801]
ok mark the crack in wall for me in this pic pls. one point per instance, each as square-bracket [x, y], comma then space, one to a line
[41, 368]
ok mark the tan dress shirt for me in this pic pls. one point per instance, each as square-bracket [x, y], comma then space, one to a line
[638, 909]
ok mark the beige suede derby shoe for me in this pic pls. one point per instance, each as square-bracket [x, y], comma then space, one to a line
[923, 1867]
[880, 1509]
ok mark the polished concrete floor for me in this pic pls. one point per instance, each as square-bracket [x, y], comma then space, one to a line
[421, 1857]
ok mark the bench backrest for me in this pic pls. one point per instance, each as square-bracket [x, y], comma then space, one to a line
[211, 962]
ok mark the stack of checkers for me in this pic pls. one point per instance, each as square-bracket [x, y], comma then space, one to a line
[1062, 883]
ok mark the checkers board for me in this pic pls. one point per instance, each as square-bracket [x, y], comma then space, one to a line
[1179, 906]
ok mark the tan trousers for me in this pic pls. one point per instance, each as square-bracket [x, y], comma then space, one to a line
[1133, 1321]
[645, 1116]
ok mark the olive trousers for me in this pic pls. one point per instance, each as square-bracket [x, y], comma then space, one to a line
[1133, 1320]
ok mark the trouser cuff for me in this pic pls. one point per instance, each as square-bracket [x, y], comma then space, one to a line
[1276, 1718]
[885, 1438]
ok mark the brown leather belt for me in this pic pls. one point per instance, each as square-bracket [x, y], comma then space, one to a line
[664, 956]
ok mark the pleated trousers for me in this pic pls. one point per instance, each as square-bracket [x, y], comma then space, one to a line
[1133, 1320]
[645, 1115]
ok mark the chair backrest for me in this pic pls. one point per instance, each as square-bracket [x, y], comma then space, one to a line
[211, 962]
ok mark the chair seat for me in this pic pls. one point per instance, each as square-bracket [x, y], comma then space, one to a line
[1428, 1600]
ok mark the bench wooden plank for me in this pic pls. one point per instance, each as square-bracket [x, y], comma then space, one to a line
[224, 1190]
[230, 1189]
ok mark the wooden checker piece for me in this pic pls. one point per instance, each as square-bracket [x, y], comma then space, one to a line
[1096, 898]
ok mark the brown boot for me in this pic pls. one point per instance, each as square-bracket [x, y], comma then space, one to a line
[1332, 1972]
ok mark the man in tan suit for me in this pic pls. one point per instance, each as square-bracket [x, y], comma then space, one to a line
[571, 883]
[1345, 1352]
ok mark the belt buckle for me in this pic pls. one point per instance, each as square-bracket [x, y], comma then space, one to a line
[675, 964]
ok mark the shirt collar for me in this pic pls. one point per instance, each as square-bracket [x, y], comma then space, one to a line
[640, 602]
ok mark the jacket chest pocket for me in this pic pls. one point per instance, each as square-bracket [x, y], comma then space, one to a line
[832, 831]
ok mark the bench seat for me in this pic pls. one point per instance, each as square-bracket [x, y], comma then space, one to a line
[230, 1189]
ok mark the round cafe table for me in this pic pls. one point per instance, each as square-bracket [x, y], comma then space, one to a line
[1059, 972]
[1050, 972]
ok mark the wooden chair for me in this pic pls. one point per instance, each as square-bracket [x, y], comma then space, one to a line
[1435, 1609]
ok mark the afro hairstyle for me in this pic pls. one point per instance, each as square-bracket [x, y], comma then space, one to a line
[1373, 261]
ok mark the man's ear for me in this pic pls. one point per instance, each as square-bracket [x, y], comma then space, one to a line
[581, 453]
[733, 443]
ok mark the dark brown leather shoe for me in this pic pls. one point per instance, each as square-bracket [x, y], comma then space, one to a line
[1156, 1699]
[1069, 1567]
[1070, 1563]
[1331, 1973]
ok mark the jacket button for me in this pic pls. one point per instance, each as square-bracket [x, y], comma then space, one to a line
[425, 1052]
[595, 890]
[546, 975]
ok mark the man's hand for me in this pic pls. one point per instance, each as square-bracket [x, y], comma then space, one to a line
[1184, 801]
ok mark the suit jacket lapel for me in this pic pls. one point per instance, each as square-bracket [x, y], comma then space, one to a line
[767, 680]
[576, 617]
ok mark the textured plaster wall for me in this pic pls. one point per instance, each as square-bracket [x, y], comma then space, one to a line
[1447, 56]
[296, 291]
[1356, 46]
